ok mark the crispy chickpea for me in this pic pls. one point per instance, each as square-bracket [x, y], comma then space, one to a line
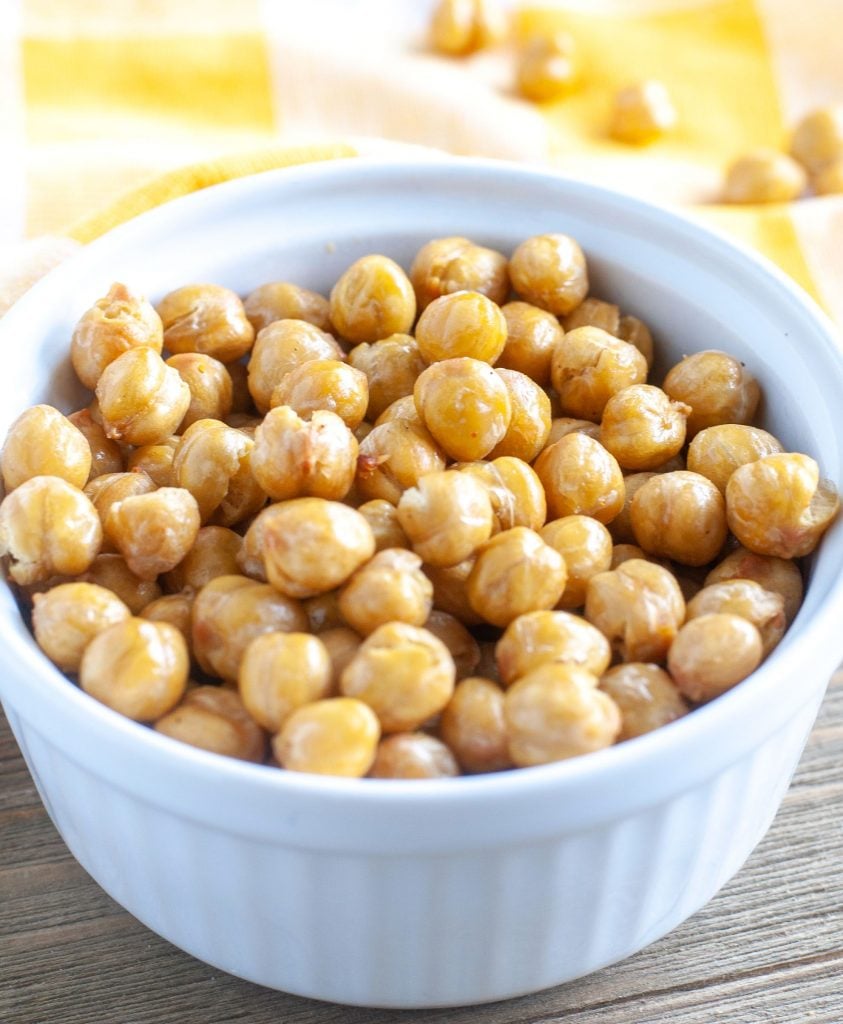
[642, 427]
[66, 618]
[515, 491]
[229, 612]
[550, 271]
[106, 455]
[717, 452]
[453, 634]
[449, 590]
[681, 516]
[325, 384]
[637, 333]
[459, 27]
[763, 176]
[646, 696]
[718, 388]
[586, 546]
[713, 653]
[763, 608]
[515, 572]
[446, 517]
[382, 516]
[137, 668]
[280, 300]
[342, 644]
[213, 718]
[372, 300]
[621, 527]
[544, 637]
[642, 113]
[210, 387]
[779, 575]
[828, 181]
[105, 491]
[323, 611]
[413, 755]
[547, 67]
[42, 442]
[336, 736]
[624, 552]
[113, 325]
[589, 366]
[581, 478]
[532, 334]
[311, 545]
[474, 727]
[391, 366]
[208, 319]
[404, 673]
[250, 555]
[214, 553]
[281, 347]
[154, 532]
[241, 400]
[402, 409]
[155, 460]
[562, 425]
[389, 588]
[778, 505]
[465, 405]
[48, 528]
[142, 400]
[556, 712]
[529, 425]
[446, 265]
[593, 312]
[393, 457]
[293, 458]
[176, 609]
[110, 571]
[281, 672]
[818, 138]
[461, 324]
[214, 463]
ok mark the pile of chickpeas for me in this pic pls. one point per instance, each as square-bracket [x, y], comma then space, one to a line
[438, 523]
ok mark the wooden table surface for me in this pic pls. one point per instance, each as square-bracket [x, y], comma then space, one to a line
[768, 948]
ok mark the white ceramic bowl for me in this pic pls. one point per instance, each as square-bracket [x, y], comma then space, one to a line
[413, 894]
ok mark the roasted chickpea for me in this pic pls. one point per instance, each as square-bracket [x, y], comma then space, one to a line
[563, 425]
[453, 634]
[114, 324]
[621, 527]
[213, 718]
[48, 528]
[474, 727]
[681, 516]
[342, 644]
[372, 300]
[336, 736]
[556, 712]
[211, 390]
[229, 612]
[763, 176]
[393, 457]
[405, 674]
[637, 333]
[154, 532]
[449, 590]
[106, 455]
[547, 67]
[447, 265]
[532, 334]
[586, 546]
[581, 478]
[545, 637]
[829, 180]
[324, 384]
[646, 697]
[413, 755]
[529, 425]
[208, 319]
[515, 572]
[642, 427]
[42, 442]
[638, 607]
[624, 552]
[446, 517]
[763, 608]
[281, 672]
[465, 405]
[323, 611]
[461, 324]
[66, 618]
[177, 609]
[459, 27]
[110, 571]
[391, 367]
[778, 505]
[280, 300]
[281, 347]
[142, 400]
[214, 553]
[779, 575]
[642, 113]
[818, 138]
[593, 312]
[137, 668]
[382, 516]
[515, 491]
[389, 588]
[717, 452]
[155, 460]
[105, 491]
[589, 366]
[713, 653]
[402, 409]
[718, 388]
[550, 271]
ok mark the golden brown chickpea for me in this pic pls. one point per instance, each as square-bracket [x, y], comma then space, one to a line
[556, 712]
[449, 590]
[372, 300]
[713, 653]
[581, 478]
[763, 175]
[413, 755]
[177, 609]
[547, 67]
[515, 572]
[336, 736]
[446, 265]
[594, 313]
[105, 491]
[280, 348]
[393, 457]
[42, 442]
[465, 405]
[763, 608]
[389, 588]
[638, 607]
[405, 674]
[589, 366]
[402, 409]
[681, 516]
[474, 727]
[461, 324]
[323, 612]
[66, 618]
[459, 27]
[532, 335]
[550, 272]
[142, 400]
[718, 388]
[818, 138]
[545, 637]
[515, 490]
[154, 532]
[529, 425]
[113, 325]
[281, 672]
[453, 634]
[155, 460]
[106, 455]
[563, 425]
[778, 505]
[642, 113]
[229, 612]
[586, 546]
[779, 575]
[213, 718]
[280, 300]
[137, 668]
[642, 427]
[214, 553]
[382, 516]
[717, 452]
[391, 367]
[324, 384]
[342, 644]
[621, 527]
[48, 528]
[646, 697]
[208, 319]
[241, 400]
[829, 180]
[211, 390]
[624, 552]
[446, 517]
[110, 571]
[637, 333]
[311, 545]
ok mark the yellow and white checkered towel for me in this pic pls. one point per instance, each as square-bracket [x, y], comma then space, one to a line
[108, 107]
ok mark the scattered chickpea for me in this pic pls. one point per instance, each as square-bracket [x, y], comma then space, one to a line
[142, 400]
[382, 516]
[281, 672]
[593, 312]
[281, 347]
[413, 755]
[763, 176]
[390, 587]
[463, 647]
[718, 388]
[211, 390]
[105, 491]
[213, 718]
[586, 546]
[642, 113]
[681, 516]
[642, 427]
[393, 457]
[325, 384]
[817, 139]
[621, 526]
[106, 455]
[589, 367]
[154, 532]
[529, 425]
[214, 553]
[637, 333]
[562, 425]
[461, 324]
[280, 300]
[763, 608]
[176, 609]
[110, 571]
[373, 299]
[717, 452]
[547, 67]
[208, 319]
[646, 696]
[532, 335]
[446, 265]
[474, 726]
[712, 653]
[550, 271]
[155, 460]
[391, 366]
[624, 552]
[446, 517]
[450, 590]
[66, 618]
[581, 478]
[550, 637]
[516, 493]
[42, 442]
[335, 736]
[780, 575]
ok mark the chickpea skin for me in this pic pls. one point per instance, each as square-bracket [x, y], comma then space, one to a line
[446, 517]
[642, 427]
[589, 366]
[531, 336]
[461, 324]
[154, 532]
[717, 452]
[106, 455]
[763, 608]
[336, 736]
[208, 319]
[66, 618]
[214, 553]
[529, 425]
[390, 587]
[780, 575]
[642, 113]
[713, 653]
[474, 726]
[763, 176]
[550, 637]
[550, 271]
[581, 478]
[213, 718]
[142, 400]
[281, 672]
[281, 347]
[393, 457]
[446, 265]
[391, 366]
[718, 388]
[382, 516]
[324, 384]
[645, 695]
[42, 442]
[547, 67]
[681, 516]
[211, 390]
[372, 300]
[413, 755]
[280, 300]
[586, 546]
[516, 493]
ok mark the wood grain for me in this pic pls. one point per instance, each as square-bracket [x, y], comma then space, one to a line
[767, 950]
